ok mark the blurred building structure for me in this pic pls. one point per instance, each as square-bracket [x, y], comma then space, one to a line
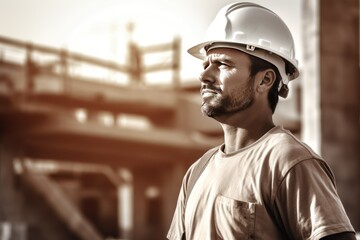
[89, 149]
[331, 92]
[50, 109]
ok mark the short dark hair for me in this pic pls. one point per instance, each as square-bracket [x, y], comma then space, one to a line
[257, 65]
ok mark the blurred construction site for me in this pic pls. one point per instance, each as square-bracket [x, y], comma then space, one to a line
[95, 149]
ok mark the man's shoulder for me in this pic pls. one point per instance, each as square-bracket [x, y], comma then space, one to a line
[200, 161]
[285, 150]
[288, 146]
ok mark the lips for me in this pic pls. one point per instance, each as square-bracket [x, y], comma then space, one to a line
[209, 90]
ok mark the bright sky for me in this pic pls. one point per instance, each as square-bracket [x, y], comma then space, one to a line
[97, 27]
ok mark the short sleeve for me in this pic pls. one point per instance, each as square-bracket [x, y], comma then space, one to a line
[307, 205]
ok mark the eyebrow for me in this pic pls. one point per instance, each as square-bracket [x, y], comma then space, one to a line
[218, 58]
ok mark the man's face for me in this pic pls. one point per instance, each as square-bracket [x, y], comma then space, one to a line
[226, 85]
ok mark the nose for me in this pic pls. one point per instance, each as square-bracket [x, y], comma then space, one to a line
[208, 75]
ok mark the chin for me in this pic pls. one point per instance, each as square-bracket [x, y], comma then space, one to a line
[206, 111]
[210, 111]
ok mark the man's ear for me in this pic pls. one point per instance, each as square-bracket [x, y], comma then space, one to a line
[268, 79]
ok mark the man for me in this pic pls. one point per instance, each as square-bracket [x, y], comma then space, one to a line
[262, 183]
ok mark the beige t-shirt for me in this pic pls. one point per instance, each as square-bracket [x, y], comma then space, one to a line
[276, 188]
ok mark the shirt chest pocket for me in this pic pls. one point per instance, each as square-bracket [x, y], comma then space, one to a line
[234, 219]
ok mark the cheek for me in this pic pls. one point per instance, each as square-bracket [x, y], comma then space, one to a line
[235, 85]
[229, 79]
[239, 89]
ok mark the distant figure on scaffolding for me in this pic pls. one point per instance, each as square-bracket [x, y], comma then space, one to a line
[135, 64]
[134, 58]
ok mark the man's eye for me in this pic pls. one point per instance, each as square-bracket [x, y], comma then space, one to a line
[222, 64]
[218, 64]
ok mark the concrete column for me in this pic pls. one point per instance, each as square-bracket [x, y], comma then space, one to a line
[310, 129]
[11, 200]
[148, 204]
[125, 204]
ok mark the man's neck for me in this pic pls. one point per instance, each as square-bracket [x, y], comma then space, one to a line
[242, 135]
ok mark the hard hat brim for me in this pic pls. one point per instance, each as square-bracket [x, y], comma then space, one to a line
[199, 52]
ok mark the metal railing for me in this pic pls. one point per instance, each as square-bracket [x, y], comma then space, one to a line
[37, 59]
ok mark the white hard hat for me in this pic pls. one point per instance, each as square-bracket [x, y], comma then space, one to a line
[255, 30]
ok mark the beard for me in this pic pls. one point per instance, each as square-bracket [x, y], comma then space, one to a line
[218, 105]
